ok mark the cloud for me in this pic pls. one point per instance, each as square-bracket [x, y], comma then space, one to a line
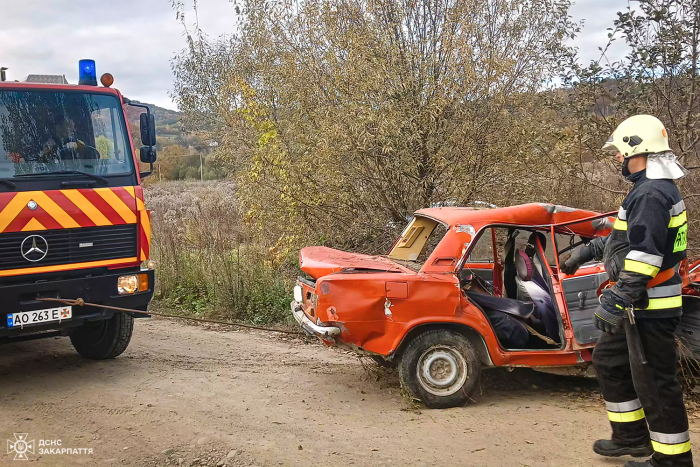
[597, 17]
[135, 40]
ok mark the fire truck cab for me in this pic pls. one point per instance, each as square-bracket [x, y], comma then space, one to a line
[73, 223]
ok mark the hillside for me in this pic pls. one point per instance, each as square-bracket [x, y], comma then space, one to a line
[181, 155]
[168, 122]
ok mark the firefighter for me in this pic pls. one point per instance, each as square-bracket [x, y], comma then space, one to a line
[65, 145]
[635, 357]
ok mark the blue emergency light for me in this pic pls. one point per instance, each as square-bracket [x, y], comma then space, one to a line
[87, 74]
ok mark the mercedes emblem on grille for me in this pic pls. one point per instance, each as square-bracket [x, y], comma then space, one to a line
[32, 205]
[34, 248]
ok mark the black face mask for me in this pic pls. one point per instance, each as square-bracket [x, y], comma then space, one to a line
[625, 168]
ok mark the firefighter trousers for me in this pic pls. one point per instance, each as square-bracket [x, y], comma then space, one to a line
[645, 400]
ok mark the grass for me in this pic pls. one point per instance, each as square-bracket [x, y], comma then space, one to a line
[206, 263]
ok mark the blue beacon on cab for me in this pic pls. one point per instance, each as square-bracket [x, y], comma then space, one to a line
[87, 74]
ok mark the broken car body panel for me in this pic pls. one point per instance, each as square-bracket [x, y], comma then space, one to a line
[318, 261]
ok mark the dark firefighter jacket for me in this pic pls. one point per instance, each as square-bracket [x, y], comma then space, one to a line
[648, 236]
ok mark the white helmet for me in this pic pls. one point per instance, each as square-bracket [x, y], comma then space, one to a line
[645, 134]
[640, 134]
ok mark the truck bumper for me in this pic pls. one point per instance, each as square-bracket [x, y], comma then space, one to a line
[100, 290]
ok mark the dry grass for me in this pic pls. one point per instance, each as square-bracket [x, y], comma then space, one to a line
[206, 264]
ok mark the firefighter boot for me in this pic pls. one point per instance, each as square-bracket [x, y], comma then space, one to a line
[608, 448]
[646, 463]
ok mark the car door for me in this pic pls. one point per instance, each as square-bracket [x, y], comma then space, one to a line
[579, 290]
[581, 301]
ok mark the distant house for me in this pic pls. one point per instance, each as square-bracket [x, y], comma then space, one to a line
[47, 79]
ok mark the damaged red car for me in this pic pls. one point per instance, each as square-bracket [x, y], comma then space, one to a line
[464, 289]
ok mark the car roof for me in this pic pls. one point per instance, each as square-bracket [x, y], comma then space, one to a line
[532, 214]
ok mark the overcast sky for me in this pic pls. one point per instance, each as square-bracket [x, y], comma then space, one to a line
[135, 40]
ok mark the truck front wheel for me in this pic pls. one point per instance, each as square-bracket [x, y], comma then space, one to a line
[100, 340]
[441, 368]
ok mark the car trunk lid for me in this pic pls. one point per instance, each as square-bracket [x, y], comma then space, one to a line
[318, 261]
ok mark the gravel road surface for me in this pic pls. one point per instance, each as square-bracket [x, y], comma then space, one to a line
[198, 395]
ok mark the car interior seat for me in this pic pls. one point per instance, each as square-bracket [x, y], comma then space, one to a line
[532, 287]
[523, 277]
[521, 266]
[526, 305]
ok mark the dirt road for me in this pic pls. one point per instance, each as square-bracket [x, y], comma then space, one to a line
[184, 395]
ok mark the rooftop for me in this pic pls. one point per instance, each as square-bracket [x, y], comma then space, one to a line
[47, 79]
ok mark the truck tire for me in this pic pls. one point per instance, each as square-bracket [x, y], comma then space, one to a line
[101, 340]
[441, 368]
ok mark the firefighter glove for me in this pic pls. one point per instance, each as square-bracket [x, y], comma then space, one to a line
[606, 321]
[579, 256]
[610, 313]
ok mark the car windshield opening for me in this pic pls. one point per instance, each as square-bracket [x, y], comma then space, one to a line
[44, 132]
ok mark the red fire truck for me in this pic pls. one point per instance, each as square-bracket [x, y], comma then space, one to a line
[72, 217]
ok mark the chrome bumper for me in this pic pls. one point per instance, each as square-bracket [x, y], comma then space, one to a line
[324, 332]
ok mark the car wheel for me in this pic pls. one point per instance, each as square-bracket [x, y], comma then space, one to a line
[441, 368]
[104, 339]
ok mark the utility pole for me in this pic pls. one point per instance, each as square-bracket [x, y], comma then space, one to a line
[201, 168]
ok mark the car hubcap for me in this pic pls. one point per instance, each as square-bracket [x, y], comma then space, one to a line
[442, 370]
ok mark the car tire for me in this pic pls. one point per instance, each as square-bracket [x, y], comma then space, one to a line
[104, 339]
[441, 368]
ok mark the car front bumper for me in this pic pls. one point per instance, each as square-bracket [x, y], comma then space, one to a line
[327, 333]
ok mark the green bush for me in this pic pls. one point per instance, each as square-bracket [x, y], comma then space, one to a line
[206, 265]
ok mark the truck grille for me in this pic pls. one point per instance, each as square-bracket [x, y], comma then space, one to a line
[64, 246]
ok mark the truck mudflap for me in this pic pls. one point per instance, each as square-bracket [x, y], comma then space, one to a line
[689, 329]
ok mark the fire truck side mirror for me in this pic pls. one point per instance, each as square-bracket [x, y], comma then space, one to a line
[148, 129]
[148, 154]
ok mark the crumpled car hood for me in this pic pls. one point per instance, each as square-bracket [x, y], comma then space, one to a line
[319, 261]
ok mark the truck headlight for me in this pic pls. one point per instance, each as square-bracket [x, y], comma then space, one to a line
[127, 284]
[298, 295]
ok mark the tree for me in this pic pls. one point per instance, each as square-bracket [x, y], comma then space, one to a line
[659, 76]
[104, 146]
[663, 69]
[344, 116]
[169, 161]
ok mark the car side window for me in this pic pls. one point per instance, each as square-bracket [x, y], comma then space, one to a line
[562, 241]
[566, 243]
[482, 251]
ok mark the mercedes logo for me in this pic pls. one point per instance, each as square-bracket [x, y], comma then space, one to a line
[34, 248]
[32, 205]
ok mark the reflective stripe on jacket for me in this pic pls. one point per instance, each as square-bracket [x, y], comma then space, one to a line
[648, 236]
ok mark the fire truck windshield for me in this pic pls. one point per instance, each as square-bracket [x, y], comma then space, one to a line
[45, 132]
